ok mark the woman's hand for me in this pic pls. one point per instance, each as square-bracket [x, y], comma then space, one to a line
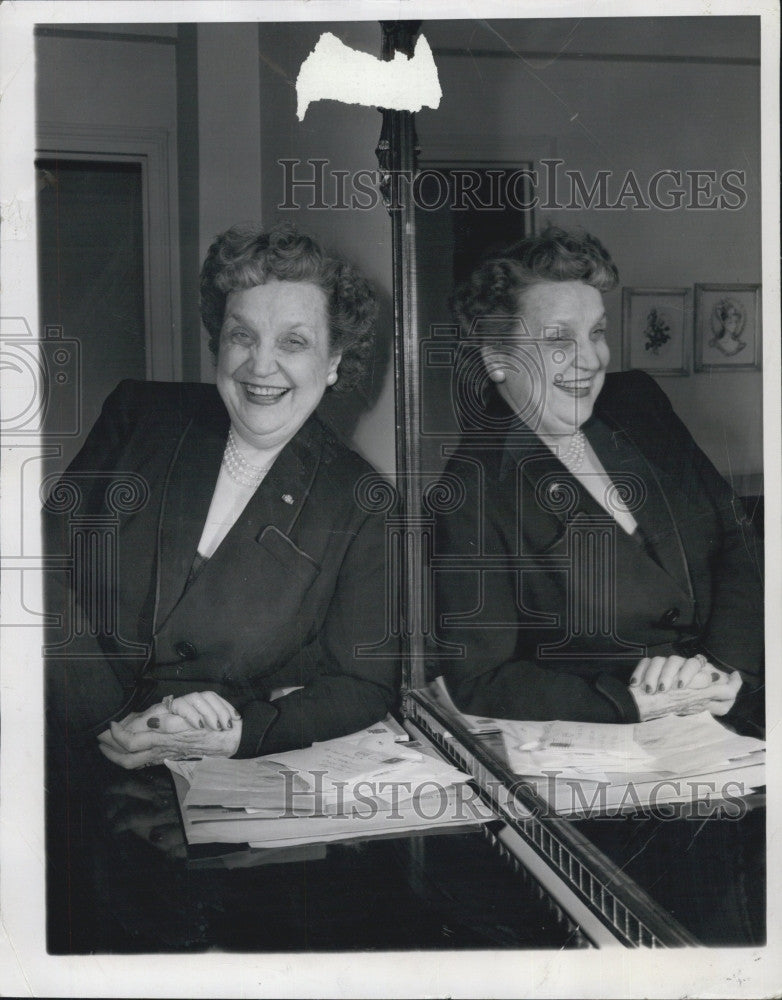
[712, 696]
[202, 710]
[664, 673]
[133, 743]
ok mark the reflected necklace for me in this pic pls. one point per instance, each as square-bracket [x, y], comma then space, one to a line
[238, 468]
[573, 455]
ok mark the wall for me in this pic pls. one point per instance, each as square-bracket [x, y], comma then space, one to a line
[225, 95]
[345, 136]
[229, 140]
[619, 96]
[115, 76]
[112, 89]
[612, 95]
[246, 123]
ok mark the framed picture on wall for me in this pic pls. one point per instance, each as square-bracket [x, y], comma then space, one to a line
[656, 324]
[727, 327]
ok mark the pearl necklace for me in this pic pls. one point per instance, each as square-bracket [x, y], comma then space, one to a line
[573, 455]
[238, 468]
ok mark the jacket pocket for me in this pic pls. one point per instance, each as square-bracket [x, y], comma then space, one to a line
[551, 538]
[293, 559]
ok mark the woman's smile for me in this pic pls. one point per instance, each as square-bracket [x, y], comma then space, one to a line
[578, 388]
[264, 395]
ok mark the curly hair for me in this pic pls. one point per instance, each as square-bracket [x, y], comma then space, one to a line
[245, 256]
[722, 311]
[496, 286]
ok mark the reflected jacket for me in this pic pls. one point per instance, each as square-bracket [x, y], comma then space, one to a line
[548, 604]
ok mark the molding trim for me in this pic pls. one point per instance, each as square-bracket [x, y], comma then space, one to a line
[99, 35]
[628, 57]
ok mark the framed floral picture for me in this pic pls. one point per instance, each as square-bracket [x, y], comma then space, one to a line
[656, 325]
[727, 327]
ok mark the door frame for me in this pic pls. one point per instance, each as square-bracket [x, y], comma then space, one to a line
[150, 148]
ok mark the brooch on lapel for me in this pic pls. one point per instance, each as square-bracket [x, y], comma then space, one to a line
[286, 498]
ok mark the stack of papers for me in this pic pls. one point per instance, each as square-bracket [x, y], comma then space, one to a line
[596, 768]
[371, 783]
[584, 767]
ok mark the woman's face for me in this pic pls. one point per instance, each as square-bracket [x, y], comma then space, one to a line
[274, 359]
[555, 366]
[732, 321]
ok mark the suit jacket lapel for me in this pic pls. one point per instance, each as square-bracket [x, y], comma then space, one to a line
[556, 492]
[276, 503]
[619, 451]
[550, 483]
[190, 484]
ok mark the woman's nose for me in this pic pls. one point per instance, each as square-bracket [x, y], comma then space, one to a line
[587, 356]
[263, 359]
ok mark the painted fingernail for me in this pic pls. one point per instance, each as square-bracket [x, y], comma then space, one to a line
[714, 675]
[680, 684]
[648, 688]
[230, 724]
[633, 681]
[661, 686]
[201, 723]
[154, 722]
[219, 725]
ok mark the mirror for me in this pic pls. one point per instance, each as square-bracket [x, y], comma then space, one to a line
[605, 126]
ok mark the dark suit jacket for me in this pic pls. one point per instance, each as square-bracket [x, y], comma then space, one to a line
[295, 587]
[548, 618]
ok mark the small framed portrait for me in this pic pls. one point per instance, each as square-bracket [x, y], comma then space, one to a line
[656, 325]
[727, 327]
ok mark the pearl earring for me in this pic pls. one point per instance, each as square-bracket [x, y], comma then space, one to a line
[497, 375]
[331, 378]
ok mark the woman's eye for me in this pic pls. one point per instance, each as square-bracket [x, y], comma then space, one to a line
[599, 334]
[239, 336]
[293, 342]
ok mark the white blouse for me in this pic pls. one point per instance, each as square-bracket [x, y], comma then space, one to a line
[596, 481]
[230, 498]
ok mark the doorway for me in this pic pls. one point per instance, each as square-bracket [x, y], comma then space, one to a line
[91, 283]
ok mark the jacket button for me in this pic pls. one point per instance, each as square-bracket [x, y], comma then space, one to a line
[670, 617]
[186, 651]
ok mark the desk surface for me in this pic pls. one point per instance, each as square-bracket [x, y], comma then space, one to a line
[119, 880]
[115, 889]
[698, 876]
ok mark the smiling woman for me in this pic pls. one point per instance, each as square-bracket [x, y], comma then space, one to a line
[568, 320]
[251, 576]
[274, 361]
[598, 568]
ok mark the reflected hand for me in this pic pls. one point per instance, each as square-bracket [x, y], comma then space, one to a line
[716, 697]
[145, 806]
[663, 673]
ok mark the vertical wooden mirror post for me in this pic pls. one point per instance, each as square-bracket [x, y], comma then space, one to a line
[397, 155]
